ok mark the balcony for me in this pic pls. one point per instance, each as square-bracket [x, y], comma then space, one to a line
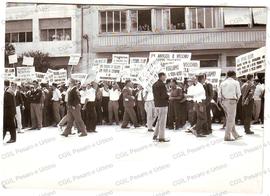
[54, 48]
[181, 40]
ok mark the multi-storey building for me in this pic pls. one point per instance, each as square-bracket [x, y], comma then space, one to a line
[214, 35]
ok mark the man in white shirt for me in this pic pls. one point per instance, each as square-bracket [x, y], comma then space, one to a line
[82, 100]
[56, 98]
[229, 94]
[257, 100]
[199, 98]
[90, 108]
[149, 106]
[113, 105]
[190, 101]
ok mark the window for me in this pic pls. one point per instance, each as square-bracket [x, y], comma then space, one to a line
[208, 17]
[7, 38]
[18, 31]
[56, 29]
[207, 60]
[144, 20]
[230, 61]
[259, 16]
[240, 17]
[113, 21]
[209, 63]
[177, 18]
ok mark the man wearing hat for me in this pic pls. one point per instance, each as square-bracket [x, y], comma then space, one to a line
[74, 110]
[56, 98]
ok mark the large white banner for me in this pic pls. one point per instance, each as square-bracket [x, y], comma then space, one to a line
[28, 61]
[167, 58]
[74, 59]
[25, 74]
[57, 76]
[9, 74]
[251, 62]
[13, 59]
[109, 72]
[190, 67]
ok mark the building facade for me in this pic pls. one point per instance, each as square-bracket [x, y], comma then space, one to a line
[214, 35]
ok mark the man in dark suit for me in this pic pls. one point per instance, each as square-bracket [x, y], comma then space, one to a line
[9, 113]
[209, 93]
[247, 91]
[161, 100]
[129, 103]
[74, 110]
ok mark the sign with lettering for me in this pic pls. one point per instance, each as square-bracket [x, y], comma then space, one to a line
[28, 61]
[109, 72]
[250, 62]
[74, 59]
[25, 74]
[9, 74]
[13, 59]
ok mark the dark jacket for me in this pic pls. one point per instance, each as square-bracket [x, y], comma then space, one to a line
[128, 99]
[208, 92]
[36, 95]
[9, 109]
[73, 97]
[160, 94]
[19, 99]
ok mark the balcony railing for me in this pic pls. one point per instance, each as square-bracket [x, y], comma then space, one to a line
[54, 48]
[181, 40]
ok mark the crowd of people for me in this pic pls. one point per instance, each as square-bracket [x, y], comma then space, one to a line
[169, 104]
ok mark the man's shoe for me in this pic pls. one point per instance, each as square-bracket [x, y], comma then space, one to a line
[125, 127]
[163, 140]
[249, 132]
[137, 126]
[154, 137]
[65, 135]
[11, 141]
[82, 135]
[200, 135]
[150, 130]
[229, 140]
[20, 131]
[38, 128]
[32, 128]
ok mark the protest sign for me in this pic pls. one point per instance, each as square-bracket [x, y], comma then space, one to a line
[97, 62]
[120, 59]
[80, 77]
[189, 68]
[9, 74]
[109, 72]
[169, 56]
[25, 74]
[149, 75]
[250, 62]
[28, 61]
[138, 60]
[175, 71]
[40, 76]
[213, 76]
[60, 76]
[49, 77]
[74, 59]
[12, 59]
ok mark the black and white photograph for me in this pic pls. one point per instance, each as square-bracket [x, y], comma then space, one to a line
[134, 98]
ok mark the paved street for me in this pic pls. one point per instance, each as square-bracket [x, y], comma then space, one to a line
[115, 159]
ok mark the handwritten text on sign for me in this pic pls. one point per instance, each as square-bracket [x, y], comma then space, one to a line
[251, 62]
